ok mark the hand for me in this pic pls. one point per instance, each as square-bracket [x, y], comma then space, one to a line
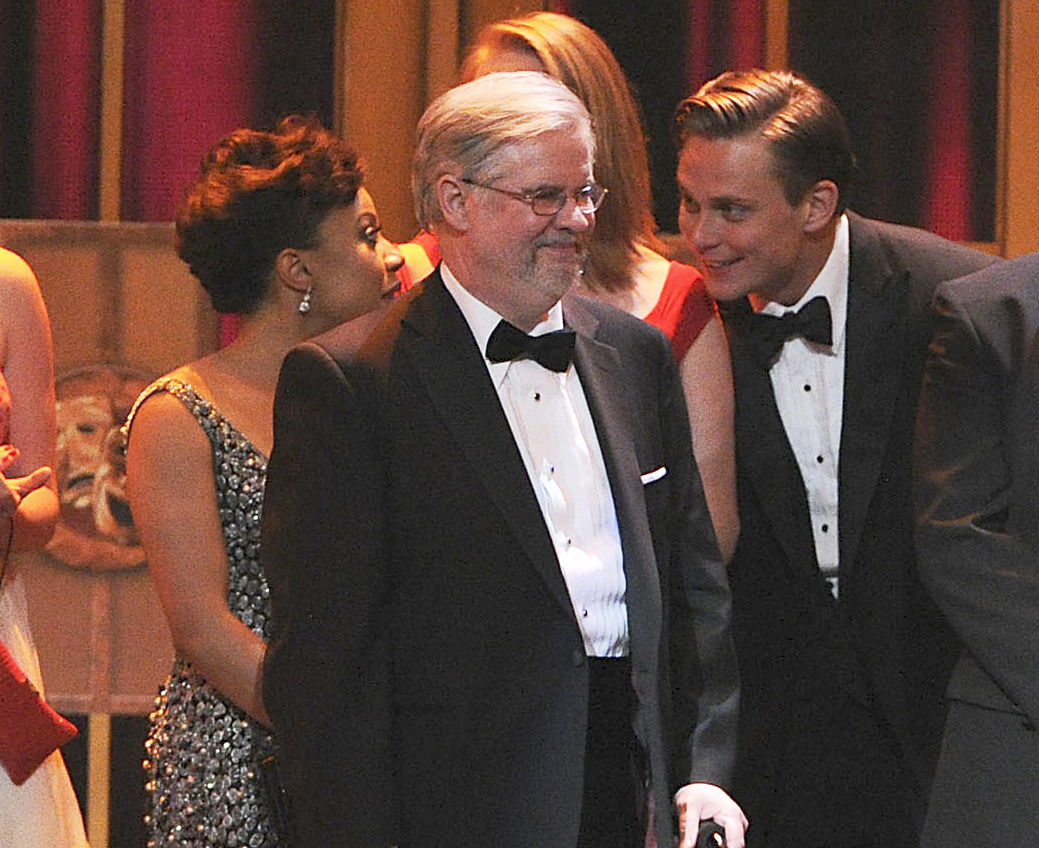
[16, 488]
[698, 801]
[8, 456]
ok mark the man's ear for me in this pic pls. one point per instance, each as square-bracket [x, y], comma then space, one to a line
[450, 195]
[292, 270]
[820, 205]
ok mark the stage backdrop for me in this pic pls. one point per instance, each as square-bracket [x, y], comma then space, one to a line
[917, 80]
[107, 105]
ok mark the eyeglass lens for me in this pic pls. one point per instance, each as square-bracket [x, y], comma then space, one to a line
[550, 201]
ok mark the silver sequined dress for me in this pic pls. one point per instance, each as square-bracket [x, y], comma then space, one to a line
[202, 752]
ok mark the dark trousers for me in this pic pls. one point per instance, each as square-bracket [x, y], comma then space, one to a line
[608, 812]
[840, 781]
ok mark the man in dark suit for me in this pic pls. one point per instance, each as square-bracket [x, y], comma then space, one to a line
[501, 615]
[843, 658]
[977, 470]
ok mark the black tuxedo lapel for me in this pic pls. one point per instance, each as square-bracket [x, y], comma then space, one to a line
[875, 356]
[602, 378]
[438, 344]
[765, 459]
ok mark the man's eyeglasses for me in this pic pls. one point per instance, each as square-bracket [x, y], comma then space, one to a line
[548, 201]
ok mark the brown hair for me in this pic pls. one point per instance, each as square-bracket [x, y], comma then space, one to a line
[258, 193]
[807, 133]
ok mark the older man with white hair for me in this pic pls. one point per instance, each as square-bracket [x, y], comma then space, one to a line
[502, 617]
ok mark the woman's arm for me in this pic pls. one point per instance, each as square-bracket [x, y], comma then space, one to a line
[173, 498]
[707, 382]
[27, 360]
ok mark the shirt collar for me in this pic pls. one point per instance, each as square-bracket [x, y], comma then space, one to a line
[831, 283]
[482, 320]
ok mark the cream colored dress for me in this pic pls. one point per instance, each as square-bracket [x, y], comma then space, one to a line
[43, 812]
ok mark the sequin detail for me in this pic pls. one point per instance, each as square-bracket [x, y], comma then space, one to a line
[202, 753]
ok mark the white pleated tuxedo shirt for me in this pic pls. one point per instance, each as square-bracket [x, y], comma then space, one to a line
[555, 434]
[808, 382]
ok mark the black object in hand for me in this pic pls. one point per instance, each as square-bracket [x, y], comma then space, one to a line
[711, 835]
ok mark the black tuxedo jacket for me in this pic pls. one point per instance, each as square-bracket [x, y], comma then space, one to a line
[883, 643]
[978, 542]
[426, 676]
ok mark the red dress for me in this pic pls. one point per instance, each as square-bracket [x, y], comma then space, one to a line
[683, 309]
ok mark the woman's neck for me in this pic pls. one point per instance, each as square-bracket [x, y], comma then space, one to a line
[647, 272]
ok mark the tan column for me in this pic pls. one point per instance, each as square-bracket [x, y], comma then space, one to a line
[381, 60]
[1017, 217]
[392, 59]
[111, 107]
[777, 25]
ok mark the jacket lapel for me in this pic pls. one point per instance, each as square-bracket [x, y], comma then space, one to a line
[873, 369]
[439, 346]
[602, 379]
[765, 460]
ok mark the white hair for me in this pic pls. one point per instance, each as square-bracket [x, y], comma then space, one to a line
[463, 130]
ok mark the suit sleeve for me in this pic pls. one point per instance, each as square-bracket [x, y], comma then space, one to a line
[980, 571]
[705, 677]
[326, 678]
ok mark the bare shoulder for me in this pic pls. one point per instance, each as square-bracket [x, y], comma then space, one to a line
[165, 429]
[15, 269]
[710, 347]
[19, 288]
[21, 304]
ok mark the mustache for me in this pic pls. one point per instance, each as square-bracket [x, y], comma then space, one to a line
[562, 240]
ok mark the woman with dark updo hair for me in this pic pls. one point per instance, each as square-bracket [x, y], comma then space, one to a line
[279, 231]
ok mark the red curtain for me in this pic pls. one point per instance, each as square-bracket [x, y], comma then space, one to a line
[191, 71]
[918, 84]
[923, 119]
[723, 35]
[720, 34]
[949, 162]
[65, 103]
[731, 34]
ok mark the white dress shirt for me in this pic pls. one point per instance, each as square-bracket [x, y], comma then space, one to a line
[555, 434]
[808, 382]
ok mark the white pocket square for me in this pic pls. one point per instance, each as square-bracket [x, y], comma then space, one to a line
[653, 476]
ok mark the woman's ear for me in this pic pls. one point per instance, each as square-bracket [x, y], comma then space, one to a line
[821, 205]
[450, 195]
[292, 270]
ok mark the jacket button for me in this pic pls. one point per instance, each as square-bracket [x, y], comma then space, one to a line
[577, 658]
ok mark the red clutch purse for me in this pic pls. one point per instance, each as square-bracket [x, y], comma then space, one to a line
[30, 729]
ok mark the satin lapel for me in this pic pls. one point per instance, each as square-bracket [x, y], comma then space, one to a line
[603, 380]
[873, 371]
[764, 459]
[443, 354]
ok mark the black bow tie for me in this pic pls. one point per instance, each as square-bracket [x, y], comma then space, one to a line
[552, 350]
[768, 332]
